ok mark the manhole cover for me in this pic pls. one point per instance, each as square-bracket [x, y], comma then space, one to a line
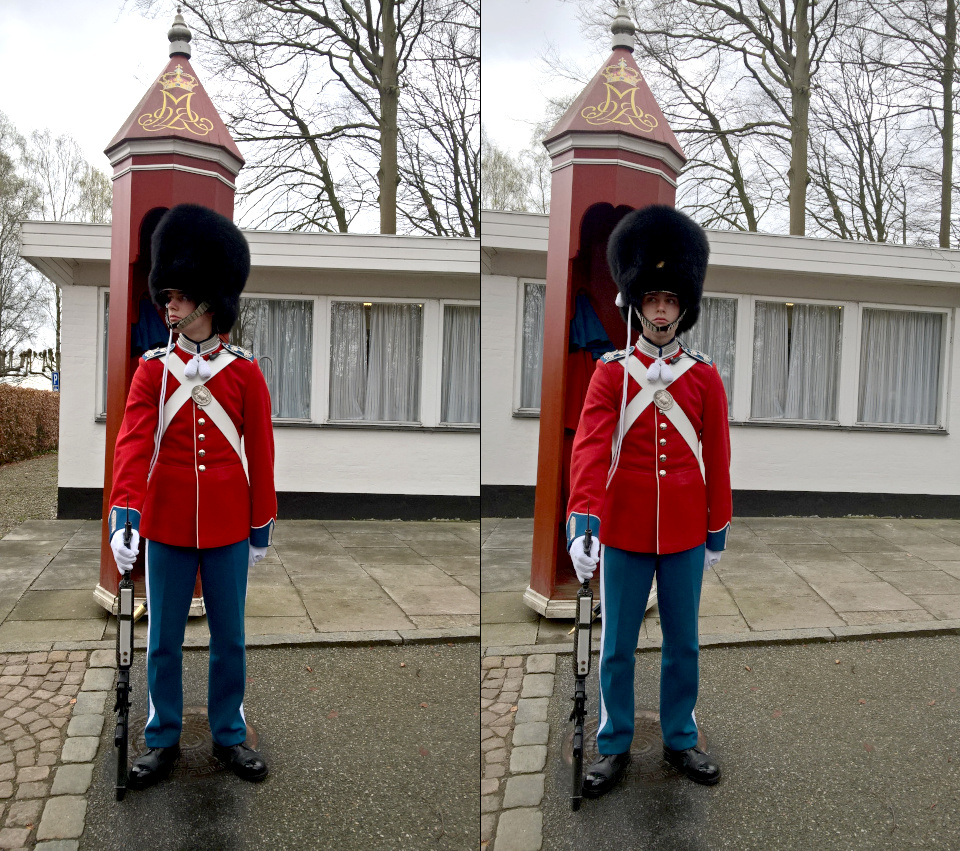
[647, 763]
[196, 744]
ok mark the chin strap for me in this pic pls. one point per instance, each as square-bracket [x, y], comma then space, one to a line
[202, 308]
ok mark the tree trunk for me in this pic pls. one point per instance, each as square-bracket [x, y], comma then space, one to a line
[799, 120]
[389, 101]
[946, 173]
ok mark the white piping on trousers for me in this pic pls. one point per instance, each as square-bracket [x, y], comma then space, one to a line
[151, 710]
[603, 631]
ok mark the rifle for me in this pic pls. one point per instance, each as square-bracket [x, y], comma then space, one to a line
[582, 637]
[124, 662]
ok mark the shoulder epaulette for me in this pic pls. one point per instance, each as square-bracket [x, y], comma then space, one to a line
[620, 354]
[239, 351]
[158, 352]
[700, 356]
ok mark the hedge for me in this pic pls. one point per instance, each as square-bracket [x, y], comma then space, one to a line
[29, 422]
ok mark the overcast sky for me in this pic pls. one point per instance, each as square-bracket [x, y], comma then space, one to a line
[80, 66]
[515, 36]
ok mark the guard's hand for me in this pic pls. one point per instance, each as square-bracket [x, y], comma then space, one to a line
[125, 556]
[710, 558]
[256, 553]
[584, 563]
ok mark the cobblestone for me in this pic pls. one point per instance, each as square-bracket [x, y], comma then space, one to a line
[39, 690]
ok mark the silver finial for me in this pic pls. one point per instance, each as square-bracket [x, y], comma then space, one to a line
[179, 36]
[623, 29]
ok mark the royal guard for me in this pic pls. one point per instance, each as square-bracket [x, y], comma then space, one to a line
[199, 497]
[651, 464]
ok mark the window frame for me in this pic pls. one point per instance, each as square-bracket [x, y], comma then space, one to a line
[438, 385]
[518, 410]
[844, 356]
[946, 335]
[314, 360]
[100, 385]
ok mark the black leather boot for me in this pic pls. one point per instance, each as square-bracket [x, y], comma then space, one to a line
[604, 774]
[152, 767]
[242, 760]
[699, 766]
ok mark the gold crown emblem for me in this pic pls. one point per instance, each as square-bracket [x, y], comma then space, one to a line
[621, 73]
[176, 79]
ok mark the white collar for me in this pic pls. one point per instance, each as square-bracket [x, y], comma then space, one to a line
[662, 352]
[203, 348]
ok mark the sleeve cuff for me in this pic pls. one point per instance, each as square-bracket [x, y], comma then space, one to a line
[118, 517]
[717, 541]
[577, 526]
[262, 536]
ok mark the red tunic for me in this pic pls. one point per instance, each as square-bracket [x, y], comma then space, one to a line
[658, 501]
[198, 494]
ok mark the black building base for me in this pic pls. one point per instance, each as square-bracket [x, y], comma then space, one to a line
[518, 501]
[87, 504]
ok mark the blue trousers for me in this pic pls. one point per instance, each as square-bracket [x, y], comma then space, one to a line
[625, 580]
[171, 577]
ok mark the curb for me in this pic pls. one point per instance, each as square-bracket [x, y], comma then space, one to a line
[915, 629]
[322, 639]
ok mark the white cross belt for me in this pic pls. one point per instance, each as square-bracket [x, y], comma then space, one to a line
[644, 399]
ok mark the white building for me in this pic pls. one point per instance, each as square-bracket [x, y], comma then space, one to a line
[409, 303]
[839, 359]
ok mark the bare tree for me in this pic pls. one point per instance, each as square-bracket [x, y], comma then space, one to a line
[319, 88]
[505, 181]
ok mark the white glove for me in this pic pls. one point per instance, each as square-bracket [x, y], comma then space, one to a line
[125, 556]
[256, 553]
[710, 558]
[584, 563]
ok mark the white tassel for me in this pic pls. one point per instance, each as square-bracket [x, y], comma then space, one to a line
[621, 303]
[653, 371]
[666, 373]
[203, 369]
[190, 369]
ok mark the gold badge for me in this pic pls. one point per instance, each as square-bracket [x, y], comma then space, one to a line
[663, 400]
[202, 396]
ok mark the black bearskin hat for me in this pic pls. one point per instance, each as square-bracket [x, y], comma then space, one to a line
[659, 249]
[204, 255]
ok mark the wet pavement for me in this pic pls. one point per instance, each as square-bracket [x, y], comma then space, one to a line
[852, 745]
[368, 748]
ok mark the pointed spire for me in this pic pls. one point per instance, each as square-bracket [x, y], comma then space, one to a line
[180, 35]
[623, 29]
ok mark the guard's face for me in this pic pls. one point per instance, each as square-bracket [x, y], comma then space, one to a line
[661, 308]
[178, 305]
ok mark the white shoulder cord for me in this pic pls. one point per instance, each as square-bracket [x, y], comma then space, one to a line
[163, 394]
[623, 405]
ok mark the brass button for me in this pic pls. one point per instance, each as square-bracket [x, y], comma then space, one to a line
[663, 425]
[663, 473]
[663, 441]
[202, 421]
[201, 437]
[663, 457]
[202, 452]
[201, 468]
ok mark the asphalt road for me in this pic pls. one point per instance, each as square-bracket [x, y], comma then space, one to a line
[374, 748]
[852, 745]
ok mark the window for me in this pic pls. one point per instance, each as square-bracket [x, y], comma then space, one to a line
[900, 367]
[460, 383]
[103, 353]
[796, 359]
[531, 366]
[715, 334]
[375, 361]
[279, 332]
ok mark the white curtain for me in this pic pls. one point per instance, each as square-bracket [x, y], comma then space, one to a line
[393, 374]
[348, 360]
[531, 370]
[796, 361]
[279, 333]
[715, 334]
[770, 336]
[460, 395]
[900, 367]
